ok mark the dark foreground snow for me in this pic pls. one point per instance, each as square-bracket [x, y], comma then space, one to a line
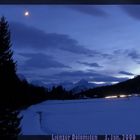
[92, 116]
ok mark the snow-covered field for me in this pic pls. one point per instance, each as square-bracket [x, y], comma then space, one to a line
[90, 116]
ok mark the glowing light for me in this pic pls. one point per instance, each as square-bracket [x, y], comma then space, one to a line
[123, 96]
[110, 97]
[26, 13]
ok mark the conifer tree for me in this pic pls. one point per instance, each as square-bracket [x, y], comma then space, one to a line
[9, 115]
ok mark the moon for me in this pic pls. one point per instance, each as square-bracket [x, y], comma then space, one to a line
[26, 13]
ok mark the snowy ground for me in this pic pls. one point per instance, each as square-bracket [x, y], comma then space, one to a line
[91, 116]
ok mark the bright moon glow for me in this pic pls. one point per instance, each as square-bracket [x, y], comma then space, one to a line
[26, 13]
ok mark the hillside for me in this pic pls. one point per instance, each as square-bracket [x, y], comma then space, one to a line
[131, 86]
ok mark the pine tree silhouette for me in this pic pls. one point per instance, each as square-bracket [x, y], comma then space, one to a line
[9, 119]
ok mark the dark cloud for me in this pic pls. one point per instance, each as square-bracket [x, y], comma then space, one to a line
[132, 53]
[90, 64]
[92, 10]
[24, 36]
[90, 70]
[41, 61]
[132, 10]
[137, 61]
[118, 51]
[78, 75]
[126, 73]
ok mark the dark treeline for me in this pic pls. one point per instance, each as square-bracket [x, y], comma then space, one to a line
[59, 93]
[29, 94]
[20, 94]
[131, 86]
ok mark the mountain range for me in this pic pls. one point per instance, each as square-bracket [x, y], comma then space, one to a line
[81, 85]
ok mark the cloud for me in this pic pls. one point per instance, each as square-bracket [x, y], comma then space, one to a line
[90, 76]
[24, 36]
[131, 53]
[27, 37]
[41, 61]
[132, 10]
[90, 64]
[134, 54]
[125, 73]
[92, 10]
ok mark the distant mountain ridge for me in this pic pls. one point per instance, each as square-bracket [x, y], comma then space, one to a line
[83, 85]
[77, 87]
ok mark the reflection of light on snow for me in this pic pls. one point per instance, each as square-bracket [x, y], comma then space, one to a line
[123, 96]
[110, 97]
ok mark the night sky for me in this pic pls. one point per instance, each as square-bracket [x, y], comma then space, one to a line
[67, 43]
